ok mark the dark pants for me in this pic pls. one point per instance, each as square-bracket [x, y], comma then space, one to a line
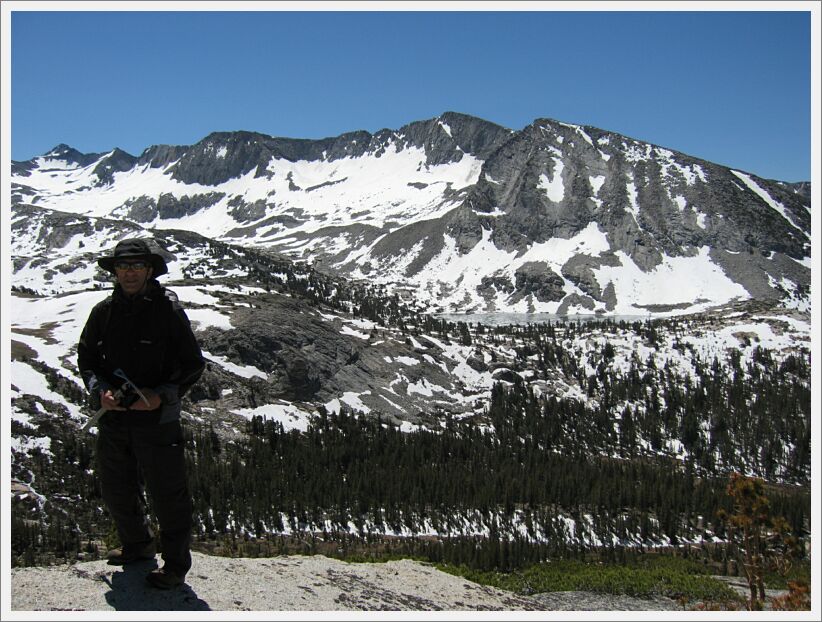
[131, 456]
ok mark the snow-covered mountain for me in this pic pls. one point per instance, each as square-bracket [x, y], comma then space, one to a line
[307, 268]
[449, 214]
[454, 213]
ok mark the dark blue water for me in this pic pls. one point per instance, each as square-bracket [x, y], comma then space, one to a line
[504, 319]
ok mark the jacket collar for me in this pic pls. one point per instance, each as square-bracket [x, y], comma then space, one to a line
[149, 293]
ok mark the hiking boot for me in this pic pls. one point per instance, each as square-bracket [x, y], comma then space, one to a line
[132, 553]
[164, 579]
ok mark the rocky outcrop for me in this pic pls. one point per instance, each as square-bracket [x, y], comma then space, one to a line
[159, 156]
[72, 156]
[575, 300]
[309, 357]
[801, 188]
[118, 161]
[54, 230]
[579, 270]
[767, 276]
[291, 583]
[169, 206]
[536, 279]
[448, 137]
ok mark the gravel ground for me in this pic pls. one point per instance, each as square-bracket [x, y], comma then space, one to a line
[292, 583]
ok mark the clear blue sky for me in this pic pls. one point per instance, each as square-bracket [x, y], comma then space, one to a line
[730, 87]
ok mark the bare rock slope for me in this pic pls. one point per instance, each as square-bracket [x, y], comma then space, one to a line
[292, 583]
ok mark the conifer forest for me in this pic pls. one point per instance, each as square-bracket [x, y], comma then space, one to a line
[533, 477]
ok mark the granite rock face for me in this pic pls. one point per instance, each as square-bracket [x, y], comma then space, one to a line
[118, 161]
[291, 583]
[647, 199]
[306, 357]
[169, 206]
[579, 271]
[538, 280]
[450, 136]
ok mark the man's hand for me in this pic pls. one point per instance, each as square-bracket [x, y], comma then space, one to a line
[109, 401]
[154, 401]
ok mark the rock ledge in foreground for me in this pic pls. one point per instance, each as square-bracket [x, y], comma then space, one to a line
[288, 583]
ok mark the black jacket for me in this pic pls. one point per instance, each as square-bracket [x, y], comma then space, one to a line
[149, 337]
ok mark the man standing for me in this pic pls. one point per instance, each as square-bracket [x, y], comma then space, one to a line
[142, 333]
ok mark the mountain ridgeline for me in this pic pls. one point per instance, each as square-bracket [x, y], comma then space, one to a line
[557, 213]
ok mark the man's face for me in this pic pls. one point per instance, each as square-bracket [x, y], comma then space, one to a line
[132, 274]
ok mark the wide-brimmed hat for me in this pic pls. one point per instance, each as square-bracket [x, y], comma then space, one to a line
[137, 248]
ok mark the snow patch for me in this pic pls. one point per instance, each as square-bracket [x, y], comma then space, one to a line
[554, 188]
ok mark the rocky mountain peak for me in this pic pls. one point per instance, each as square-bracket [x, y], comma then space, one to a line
[118, 161]
[62, 150]
[71, 155]
[447, 137]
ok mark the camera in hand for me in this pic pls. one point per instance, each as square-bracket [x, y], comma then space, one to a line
[129, 395]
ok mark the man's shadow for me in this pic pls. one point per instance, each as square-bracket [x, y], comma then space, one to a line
[129, 591]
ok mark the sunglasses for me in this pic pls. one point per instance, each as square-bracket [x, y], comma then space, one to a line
[131, 265]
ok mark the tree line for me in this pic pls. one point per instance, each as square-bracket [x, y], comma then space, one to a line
[535, 476]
